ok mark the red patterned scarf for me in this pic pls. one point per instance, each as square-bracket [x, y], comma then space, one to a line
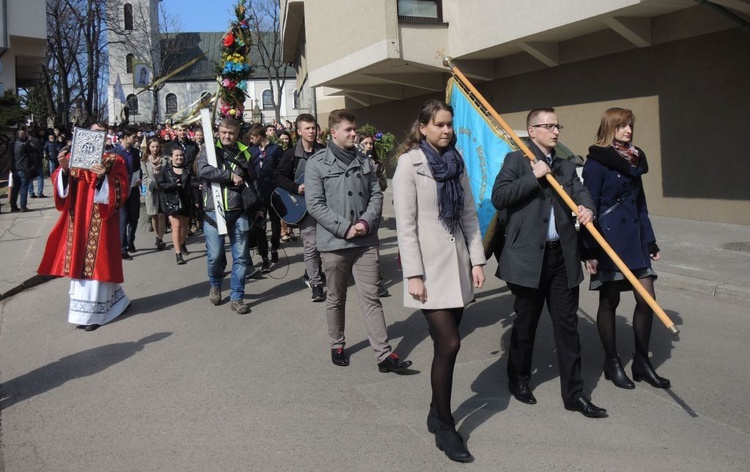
[628, 151]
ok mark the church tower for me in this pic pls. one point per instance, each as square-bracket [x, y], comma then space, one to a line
[135, 55]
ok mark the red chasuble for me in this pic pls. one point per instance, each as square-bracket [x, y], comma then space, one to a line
[85, 242]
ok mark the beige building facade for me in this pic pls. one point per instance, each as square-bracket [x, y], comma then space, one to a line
[680, 65]
[23, 42]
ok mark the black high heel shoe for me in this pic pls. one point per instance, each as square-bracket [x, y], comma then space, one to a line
[613, 371]
[450, 442]
[643, 370]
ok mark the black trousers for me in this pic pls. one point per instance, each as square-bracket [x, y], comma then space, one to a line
[562, 303]
[129, 213]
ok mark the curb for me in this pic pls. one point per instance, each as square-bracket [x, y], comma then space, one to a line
[711, 288]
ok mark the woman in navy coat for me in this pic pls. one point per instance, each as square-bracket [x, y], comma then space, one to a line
[612, 174]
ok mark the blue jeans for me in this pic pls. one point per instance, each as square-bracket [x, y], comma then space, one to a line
[20, 188]
[39, 183]
[238, 226]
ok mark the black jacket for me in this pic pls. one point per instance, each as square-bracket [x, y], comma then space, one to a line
[292, 165]
[528, 201]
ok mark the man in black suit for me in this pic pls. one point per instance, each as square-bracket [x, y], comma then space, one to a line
[540, 259]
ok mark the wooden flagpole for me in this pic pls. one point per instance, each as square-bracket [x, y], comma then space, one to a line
[448, 62]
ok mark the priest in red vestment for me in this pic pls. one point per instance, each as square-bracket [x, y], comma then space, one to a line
[85, 243]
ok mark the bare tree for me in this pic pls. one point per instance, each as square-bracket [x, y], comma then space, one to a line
[266, 35]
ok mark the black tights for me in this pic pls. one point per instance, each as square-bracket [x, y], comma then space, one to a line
[446, 342]
[643, 315]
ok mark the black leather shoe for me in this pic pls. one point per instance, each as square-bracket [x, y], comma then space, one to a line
[613, 371]
[584, 406]
[338, 357]
[126, 256]
[393, 364]
[522, 392]
[643, 370]
[450, 442]
[91, 327]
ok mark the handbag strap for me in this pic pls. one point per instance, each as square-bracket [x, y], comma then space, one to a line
[624, 195]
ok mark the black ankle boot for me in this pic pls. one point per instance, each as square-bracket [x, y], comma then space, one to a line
[432, 419]
[180, 260]
[450, 442]
[613, 371]
[643, 370]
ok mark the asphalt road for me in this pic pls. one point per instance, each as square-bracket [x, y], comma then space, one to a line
[177, 384]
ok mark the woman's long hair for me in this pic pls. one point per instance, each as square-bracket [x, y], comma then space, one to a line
[611, 119]
[144, 155]
[426, 113]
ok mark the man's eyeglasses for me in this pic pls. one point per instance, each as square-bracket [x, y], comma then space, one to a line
[549, 126]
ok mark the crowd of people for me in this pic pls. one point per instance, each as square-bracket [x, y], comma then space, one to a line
[198, 189]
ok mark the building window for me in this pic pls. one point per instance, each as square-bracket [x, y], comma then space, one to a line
[129, 61]
[267, 99]
[128, 14]
[171, 104]
[296, 100]
[420, 11]
[133, 104]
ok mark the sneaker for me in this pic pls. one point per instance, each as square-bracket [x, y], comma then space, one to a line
[265, 267]
[126, 256]
[185, 251]
[41, 195]
[286, 238]
[214, 295]
[306, 279]
[240, 307]
[160, 244]
[131, 247]
[252, 272]
[274, 257]
[338, 357]
[317, 293]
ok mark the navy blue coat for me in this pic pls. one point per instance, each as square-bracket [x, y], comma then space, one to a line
[611, 179]
[264, 164]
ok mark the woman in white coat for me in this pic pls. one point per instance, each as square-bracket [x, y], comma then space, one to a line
[442, 256]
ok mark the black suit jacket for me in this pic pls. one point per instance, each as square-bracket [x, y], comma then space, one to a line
[527, 201]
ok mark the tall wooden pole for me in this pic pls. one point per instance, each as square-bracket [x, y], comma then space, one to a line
[448, 62]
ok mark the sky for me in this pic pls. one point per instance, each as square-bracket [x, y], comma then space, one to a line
[201, 15]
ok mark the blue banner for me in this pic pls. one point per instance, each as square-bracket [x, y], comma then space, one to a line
[483, 149]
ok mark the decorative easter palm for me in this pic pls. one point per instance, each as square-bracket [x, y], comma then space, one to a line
[235, 69]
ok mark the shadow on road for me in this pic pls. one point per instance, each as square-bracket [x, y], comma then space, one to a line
[81, 364]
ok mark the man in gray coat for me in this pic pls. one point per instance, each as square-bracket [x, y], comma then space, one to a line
[540, 259]
[344, 197]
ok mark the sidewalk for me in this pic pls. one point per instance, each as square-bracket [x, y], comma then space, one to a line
[704, 258]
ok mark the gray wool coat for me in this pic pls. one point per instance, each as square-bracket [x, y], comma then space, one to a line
[338, 196]
[528, 202]
[426, 246]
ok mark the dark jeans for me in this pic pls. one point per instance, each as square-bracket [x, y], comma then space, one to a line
[20, 187]
[562, 303]
[259, 233]
[129, 213]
